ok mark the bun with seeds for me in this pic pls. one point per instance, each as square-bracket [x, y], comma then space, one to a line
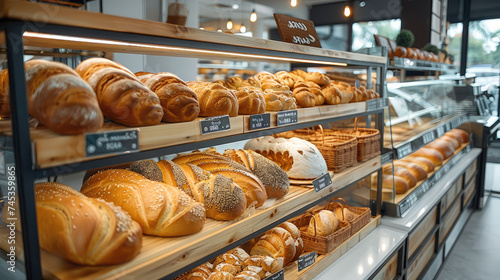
[83, 230]
[160, 209]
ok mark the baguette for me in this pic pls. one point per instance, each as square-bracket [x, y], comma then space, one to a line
[160, 209]
[122, 97]
[84, 230]
[423, 162]
[59, 99]
[415, 169]
[445, 148]
[179, 102]
[433, 155]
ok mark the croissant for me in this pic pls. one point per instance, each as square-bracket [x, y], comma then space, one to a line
[215, 99]
[84, 230]
[122, 97]
[59, 99]
[160, 209]
[179, 102]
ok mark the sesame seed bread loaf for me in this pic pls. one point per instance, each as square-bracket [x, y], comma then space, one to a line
[160, 209]
[274, 179]
[84, 230]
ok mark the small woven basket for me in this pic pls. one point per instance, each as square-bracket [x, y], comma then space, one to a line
[362, 214]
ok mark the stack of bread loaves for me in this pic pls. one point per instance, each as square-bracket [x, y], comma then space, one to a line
[411, 169]
[235, 264]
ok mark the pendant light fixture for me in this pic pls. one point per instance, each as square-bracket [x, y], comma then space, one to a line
[253, 16]
[293, 3]
[347, 11]
[229, 24]
[243, 28]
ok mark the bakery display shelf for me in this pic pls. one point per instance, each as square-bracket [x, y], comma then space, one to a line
[422, 135]
[403, 202]
[325, 260]
[51, 149]
[420, 65]
[150, 34]
[160, 257]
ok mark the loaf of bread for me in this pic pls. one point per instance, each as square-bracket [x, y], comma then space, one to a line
[84, 230]
[444, 147]
[234, 82]
[220, 275]
[298, 158]
[4, 94]
[250, 101]
[431, 154]
[201, 272]
[323, 223]
[274, 179]
[298, 242]
[285, 78]
[318, 78]
[455, 136]
[452, 140]
[160, 209]
[59, 99]
[266, 263]
[302, 94]
[423, 162]
[418, 172]
[122, 97]
[332, 94]
[143, 76]
[277, 243]
[215, 99]
[401, 172]
[179, 102]
[279, 100]
[239, 253]
[460, 133]
[247, 275]
[390, 182]
[345, 89]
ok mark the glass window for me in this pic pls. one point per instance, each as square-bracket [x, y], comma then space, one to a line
[333, 37]
[363, 32]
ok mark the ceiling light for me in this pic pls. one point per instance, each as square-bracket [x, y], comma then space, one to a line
[253, 16]
[229, 24]
[293, 3]
[362, 4]
[243, 28]
[236, 6]
[347, 11]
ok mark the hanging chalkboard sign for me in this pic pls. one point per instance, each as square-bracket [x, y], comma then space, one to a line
[296, 30]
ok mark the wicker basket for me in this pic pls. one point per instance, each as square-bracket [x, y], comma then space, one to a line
[321, 244]
[368, 144]
[363, 214]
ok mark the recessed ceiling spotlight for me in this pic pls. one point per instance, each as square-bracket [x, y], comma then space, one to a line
[362, 4]
[236, 6]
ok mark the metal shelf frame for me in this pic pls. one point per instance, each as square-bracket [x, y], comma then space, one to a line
[23, 150]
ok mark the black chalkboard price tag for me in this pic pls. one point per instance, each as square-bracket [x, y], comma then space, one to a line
[279, 275]
[260, 121]
[306, 260]
[215, 124]
[297, 31]
[322, 182]
[113, 142]
[287, 117]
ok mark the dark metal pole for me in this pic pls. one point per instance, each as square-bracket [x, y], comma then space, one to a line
[22, 152]
[465, 37]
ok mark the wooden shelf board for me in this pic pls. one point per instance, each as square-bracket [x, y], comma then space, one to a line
[162, 256]
[52, 149]
[52, 14]
[323, 261]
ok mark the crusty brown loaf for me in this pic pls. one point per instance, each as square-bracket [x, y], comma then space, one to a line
[304, 97]
[179, 102]
[423, 162]
[201, 272]
[332, 94]
[160, 209]
[433, 155]
[268, 264]
[389, 182]
[247, 275]
[59, 99]
[442, 146]
[274, 179]
[401, 172]
[323, 223]
[317, 78]
[122, 97]
[84, 230]
[250, 101]
[415, 169]
[215, 99]
[285, 78]
[4, 94]
[461, 135]
[276, 243]
[295, 232]
[233, 82]
[452, 140]
[220, 275]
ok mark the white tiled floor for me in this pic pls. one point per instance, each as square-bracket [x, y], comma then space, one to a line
[476, 254]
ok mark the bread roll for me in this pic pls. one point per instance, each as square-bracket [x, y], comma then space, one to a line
[285, 78]
[201, 272]
[248, 275]
[215, 99]
[250, 101]
[122, 97]
[433, 155]
[400, 52]
[298, 158]
[274, 179]
[4, 94]
[391, 182]
[424, 163]
[462, 133]
[268, 264]
[233, 82]
[401, 172]
[265, 76]
[220, 275]
[143, 76]
[240, 254]
[84, 230]
[455, 136]
[303, 95]
[317, 78]
[444, 147]
[323, 223]
[160, 209]
[418, 172]
[332, 94]
[59, 99]
[276, 243]
[179, 102]
[298, 242]
[229, 268]
[452, 140]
